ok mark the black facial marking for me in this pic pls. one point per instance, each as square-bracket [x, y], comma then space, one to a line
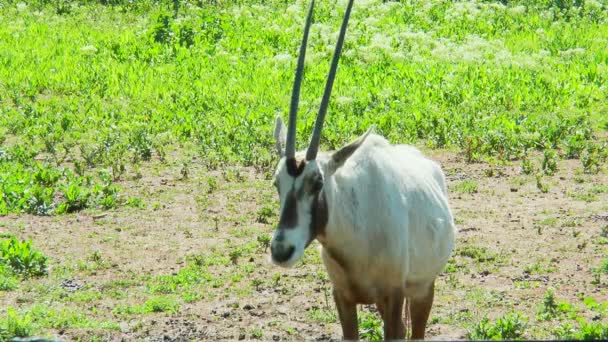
[320, 215]
[289, 216]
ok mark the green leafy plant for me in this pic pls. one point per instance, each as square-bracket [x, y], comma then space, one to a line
[585, 331]
[370, 326]
[22, 258]
[509, 327]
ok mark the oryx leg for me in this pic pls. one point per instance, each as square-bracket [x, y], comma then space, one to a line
[391, 310]
[420, 309]
[347, 312]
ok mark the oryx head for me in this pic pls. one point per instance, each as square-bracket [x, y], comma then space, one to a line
[300, 182]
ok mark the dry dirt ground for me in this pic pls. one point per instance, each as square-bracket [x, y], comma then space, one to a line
[198, 250]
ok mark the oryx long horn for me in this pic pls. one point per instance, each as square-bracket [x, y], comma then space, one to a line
[290, 146]
[313, 147]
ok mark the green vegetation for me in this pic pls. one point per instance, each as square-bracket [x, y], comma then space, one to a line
[19, 259]
[370, 326]
[468, 186]
[84, 104]
[30, 321]
[15, 325]
[551, 308]
[480, 254]
[100, 98]
[509, 327]
[584, 331]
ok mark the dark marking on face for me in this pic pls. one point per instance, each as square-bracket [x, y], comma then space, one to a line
[295, 167]
[289, 216]
[320, 215]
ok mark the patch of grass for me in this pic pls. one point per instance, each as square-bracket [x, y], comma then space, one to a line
[468, 186]
[93, 263]
[453, 267]
[15, 325]
[477, 253]
[322, 315]
[509, 327]
[538, 268]
[65, 318]
[8, 281]
[548, 221]
[589, 195]
[154, 304]
[161, 304]
[604, 266]
[185, 279]
[257, 333]
[540, 184]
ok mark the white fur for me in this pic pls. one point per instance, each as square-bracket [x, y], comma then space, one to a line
[389, 219]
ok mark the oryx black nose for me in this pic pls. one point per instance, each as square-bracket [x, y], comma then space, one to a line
[281, 252]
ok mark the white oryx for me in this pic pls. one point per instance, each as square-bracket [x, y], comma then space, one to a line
[379, 211]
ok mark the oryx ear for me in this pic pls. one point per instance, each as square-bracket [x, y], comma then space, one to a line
[339, 157]
[280, 136]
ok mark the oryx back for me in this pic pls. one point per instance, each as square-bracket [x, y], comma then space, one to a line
[389, 208]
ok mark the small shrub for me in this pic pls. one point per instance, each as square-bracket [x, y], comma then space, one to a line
[586, 331]
[213, 184]
[264, 241]
[161, 304]
[527, 167]
[135, 202]
[257, 333]
[591, 159]
[370, 326]
[264, 215]
[161, 32]
[76, 198]
[549, 307]
[22, 258]
[510, 326]
[542, 186]
[549, 162]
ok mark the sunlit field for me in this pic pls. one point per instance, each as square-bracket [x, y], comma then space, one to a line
[136, 153]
